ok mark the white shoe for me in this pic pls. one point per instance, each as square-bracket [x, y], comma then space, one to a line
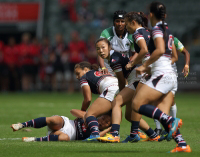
[16, 127]
[28, 139]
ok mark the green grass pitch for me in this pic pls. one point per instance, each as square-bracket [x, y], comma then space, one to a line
[19, 107]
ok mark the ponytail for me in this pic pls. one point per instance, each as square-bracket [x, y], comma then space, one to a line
[139, 17]
[159, 11]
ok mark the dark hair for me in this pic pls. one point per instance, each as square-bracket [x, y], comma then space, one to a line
[139, 17]
[103, 39]
[159, 11]
[119, 15]
[85, 64]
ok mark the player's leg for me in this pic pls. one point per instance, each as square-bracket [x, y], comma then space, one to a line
[121, 99]
[35, 123]
[55, 136]
[141, 104]
[98, 107]
[173, 109]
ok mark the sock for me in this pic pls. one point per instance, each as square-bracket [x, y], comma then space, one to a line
[134, 128]
[151, 133]
[173, 110]
[115, 129]
[36, 123]
[179, 139]
[157, 124]
[93, 125]
[153, 112]
[48, 138]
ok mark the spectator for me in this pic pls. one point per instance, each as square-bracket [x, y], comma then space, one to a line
[68, 10]
[35, 53]
[84, 15]
[92, 55]
[26, 62]
[11, 71]
[59, 50]
[100, 19]
[1, 64]
[47, 73]
[77, 53]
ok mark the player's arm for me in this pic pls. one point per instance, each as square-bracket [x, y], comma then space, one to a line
[87, 94]
[77, 113]
[134, 56]
[157, 53]
[187, 61]
[121, 80]
[143, 51]
[174, 54]
[104, 70]
[102, 133]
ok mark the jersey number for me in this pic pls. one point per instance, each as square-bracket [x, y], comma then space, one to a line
[170, 41]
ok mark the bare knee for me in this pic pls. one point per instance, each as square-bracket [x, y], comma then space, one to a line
[136, 105]
[63, 137]
[54, 122]
[117, 102]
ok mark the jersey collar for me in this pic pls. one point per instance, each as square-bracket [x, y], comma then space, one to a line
[160, 22]
[111, 52]
[139, 28]
[115, 34]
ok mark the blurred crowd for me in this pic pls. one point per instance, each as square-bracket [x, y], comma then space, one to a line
[32, 64]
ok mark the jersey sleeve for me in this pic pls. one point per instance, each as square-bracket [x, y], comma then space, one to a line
[156, 32]
[83, 81]
[105, 34]
[137, 36]
[115, 63]
[130, 38]
[179, 46]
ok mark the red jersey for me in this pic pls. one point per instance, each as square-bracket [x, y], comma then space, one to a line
[77, 51]
[11, 55]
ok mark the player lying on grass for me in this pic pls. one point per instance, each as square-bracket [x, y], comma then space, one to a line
[60, 128]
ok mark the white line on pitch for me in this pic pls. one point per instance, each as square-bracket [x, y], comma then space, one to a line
[1, 139]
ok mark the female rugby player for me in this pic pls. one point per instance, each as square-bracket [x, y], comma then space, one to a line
[162, 84]
[60, 128]
[93, 81]
[121, 41]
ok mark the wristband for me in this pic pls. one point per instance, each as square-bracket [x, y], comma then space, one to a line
[103, 68]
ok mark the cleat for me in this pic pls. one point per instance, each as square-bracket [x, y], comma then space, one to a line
[187, 149]
[173, 127]
[163, 136]
[92, 138]
[28, 139]
[132, 139]
[17, 127]
[152, 139]
[141, 134]
[109, 138]
[158, 131]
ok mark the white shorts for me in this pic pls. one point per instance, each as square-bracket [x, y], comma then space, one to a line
[69, 128]
[163, 82]
[133, 80]
[110, 92]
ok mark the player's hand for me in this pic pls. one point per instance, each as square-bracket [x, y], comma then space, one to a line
[140, 70]
[128, 66]
[104, 70]
[185, 70]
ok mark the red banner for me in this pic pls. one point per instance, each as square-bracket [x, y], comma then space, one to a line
[19, 12]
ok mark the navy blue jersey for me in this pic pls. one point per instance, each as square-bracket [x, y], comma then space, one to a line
[141, 33]
[81, 131]
[157, 31]
[118, 62]
[93, 79]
